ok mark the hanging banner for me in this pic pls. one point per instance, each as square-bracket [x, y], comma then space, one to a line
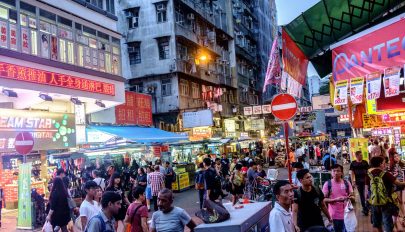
[340, 93]
[379, 47]
[356, 90]
[247, 110]
[3, 34]
[24, 220]
[294, 60]
[294, 87]
[283, 83]
[358, 144]
[373, 81]
[391, 81]
[273, 73]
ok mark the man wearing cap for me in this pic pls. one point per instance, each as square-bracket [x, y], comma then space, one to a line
[89, 208]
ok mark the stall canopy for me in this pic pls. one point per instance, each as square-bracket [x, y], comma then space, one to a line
[141, 134]
[330, 21]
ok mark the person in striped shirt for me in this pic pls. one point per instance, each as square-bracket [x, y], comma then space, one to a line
[156, 182]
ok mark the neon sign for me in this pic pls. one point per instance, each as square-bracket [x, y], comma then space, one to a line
[21, 73]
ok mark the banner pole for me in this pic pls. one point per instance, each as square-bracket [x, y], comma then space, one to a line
[287, 148]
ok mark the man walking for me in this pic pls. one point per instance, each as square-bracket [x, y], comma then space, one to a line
[212, 181]
[89, 208]
[308, 203]
[170, 218]
[98, 179]
[104, 221]
[225, 165]
[381, 203]
[280, 219]
[169, 174]
[157, 181]
[358, 172]
[337, 192]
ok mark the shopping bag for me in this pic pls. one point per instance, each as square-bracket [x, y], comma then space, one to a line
[213, 212]
[350, 218]
[47, 227]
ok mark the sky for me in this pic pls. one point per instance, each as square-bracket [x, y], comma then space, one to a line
[286, 13]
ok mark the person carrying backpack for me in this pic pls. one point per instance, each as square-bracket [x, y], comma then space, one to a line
[337, 192]
[137, 214]
[199, 183]
[104, 221]
[381, 200]
[212, 181]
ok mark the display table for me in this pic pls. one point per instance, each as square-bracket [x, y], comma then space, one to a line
[251, 218]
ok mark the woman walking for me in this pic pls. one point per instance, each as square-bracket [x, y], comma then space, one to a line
[238, 183]
[59, 213]
[199, 184]
[114, 185]
[148, 191]
[141, 179]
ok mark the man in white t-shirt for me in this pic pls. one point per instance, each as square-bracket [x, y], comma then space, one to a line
[99, 180]
[89, 207]
[280, 219]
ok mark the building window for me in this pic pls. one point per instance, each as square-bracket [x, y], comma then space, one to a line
[195, 90]
[110, 6]
[179, 17]
[164, 49]
[184, 88]
[166, 87]
[134, 52]
[161, 11]
[132, 15]
[98, 3]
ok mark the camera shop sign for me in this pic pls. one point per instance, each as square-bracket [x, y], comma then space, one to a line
[49, 130]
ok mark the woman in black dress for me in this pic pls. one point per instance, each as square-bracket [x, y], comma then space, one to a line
[141, 179]
[59, 213]
[114, 185]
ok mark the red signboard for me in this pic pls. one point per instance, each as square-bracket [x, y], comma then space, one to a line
[294, 60]
[137, 110]
[21, 73]
[24, 142]
[284, 107]
[372, 52]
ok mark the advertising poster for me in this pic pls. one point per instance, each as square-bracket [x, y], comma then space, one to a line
[391, 81]
[294, 60]
[356, 90]
[24, 220]
[45, 45]
[54, 48]
[373, 86]
[3, 34]
[247, 110]
[197, 119]
[24, 40]
[340, 93]
[137, 110]
[358, 144]
[13, 37]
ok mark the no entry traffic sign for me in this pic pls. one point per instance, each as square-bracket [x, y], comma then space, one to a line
[284, 107]
[24, 142]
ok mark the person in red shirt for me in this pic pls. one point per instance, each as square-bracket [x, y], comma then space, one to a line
[137, 213]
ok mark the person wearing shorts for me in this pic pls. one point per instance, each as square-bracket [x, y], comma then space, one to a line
[148, 190]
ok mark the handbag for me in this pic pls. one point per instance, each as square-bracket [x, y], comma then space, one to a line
[47, 227]
[350, 219]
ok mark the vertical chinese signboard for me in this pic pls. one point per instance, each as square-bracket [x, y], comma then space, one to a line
[24, 220]
[137, 110]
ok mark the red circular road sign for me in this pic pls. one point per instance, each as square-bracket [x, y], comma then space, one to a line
[284, 107]
[24, 142]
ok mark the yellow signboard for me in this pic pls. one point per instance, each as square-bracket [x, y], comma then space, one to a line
[358, 144]
[373, 121]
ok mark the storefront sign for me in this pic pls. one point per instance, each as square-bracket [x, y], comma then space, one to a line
[373, 85]
[266, 109]
[200, 133]
[24, 220]
[397, 136]
[381, 48]
[321, 102]
[305, 109]
[13, 37]
[197, 119]
[356, 90]
[257, 124]
[229, 125]
[340, 93]
[248, 110]
[391, 81]
[3, 34]
[341, 133]
[382, 131]
[358, 144]
[257, 109]
[343, 118]
[373, 121]
[37, 76]
[294, 60]
[137, 110]
[49, 130]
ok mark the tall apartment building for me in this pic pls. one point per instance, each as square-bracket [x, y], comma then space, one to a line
[255, 24]
[180, 52]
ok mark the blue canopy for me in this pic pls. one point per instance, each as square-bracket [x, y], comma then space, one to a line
[141, 134]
